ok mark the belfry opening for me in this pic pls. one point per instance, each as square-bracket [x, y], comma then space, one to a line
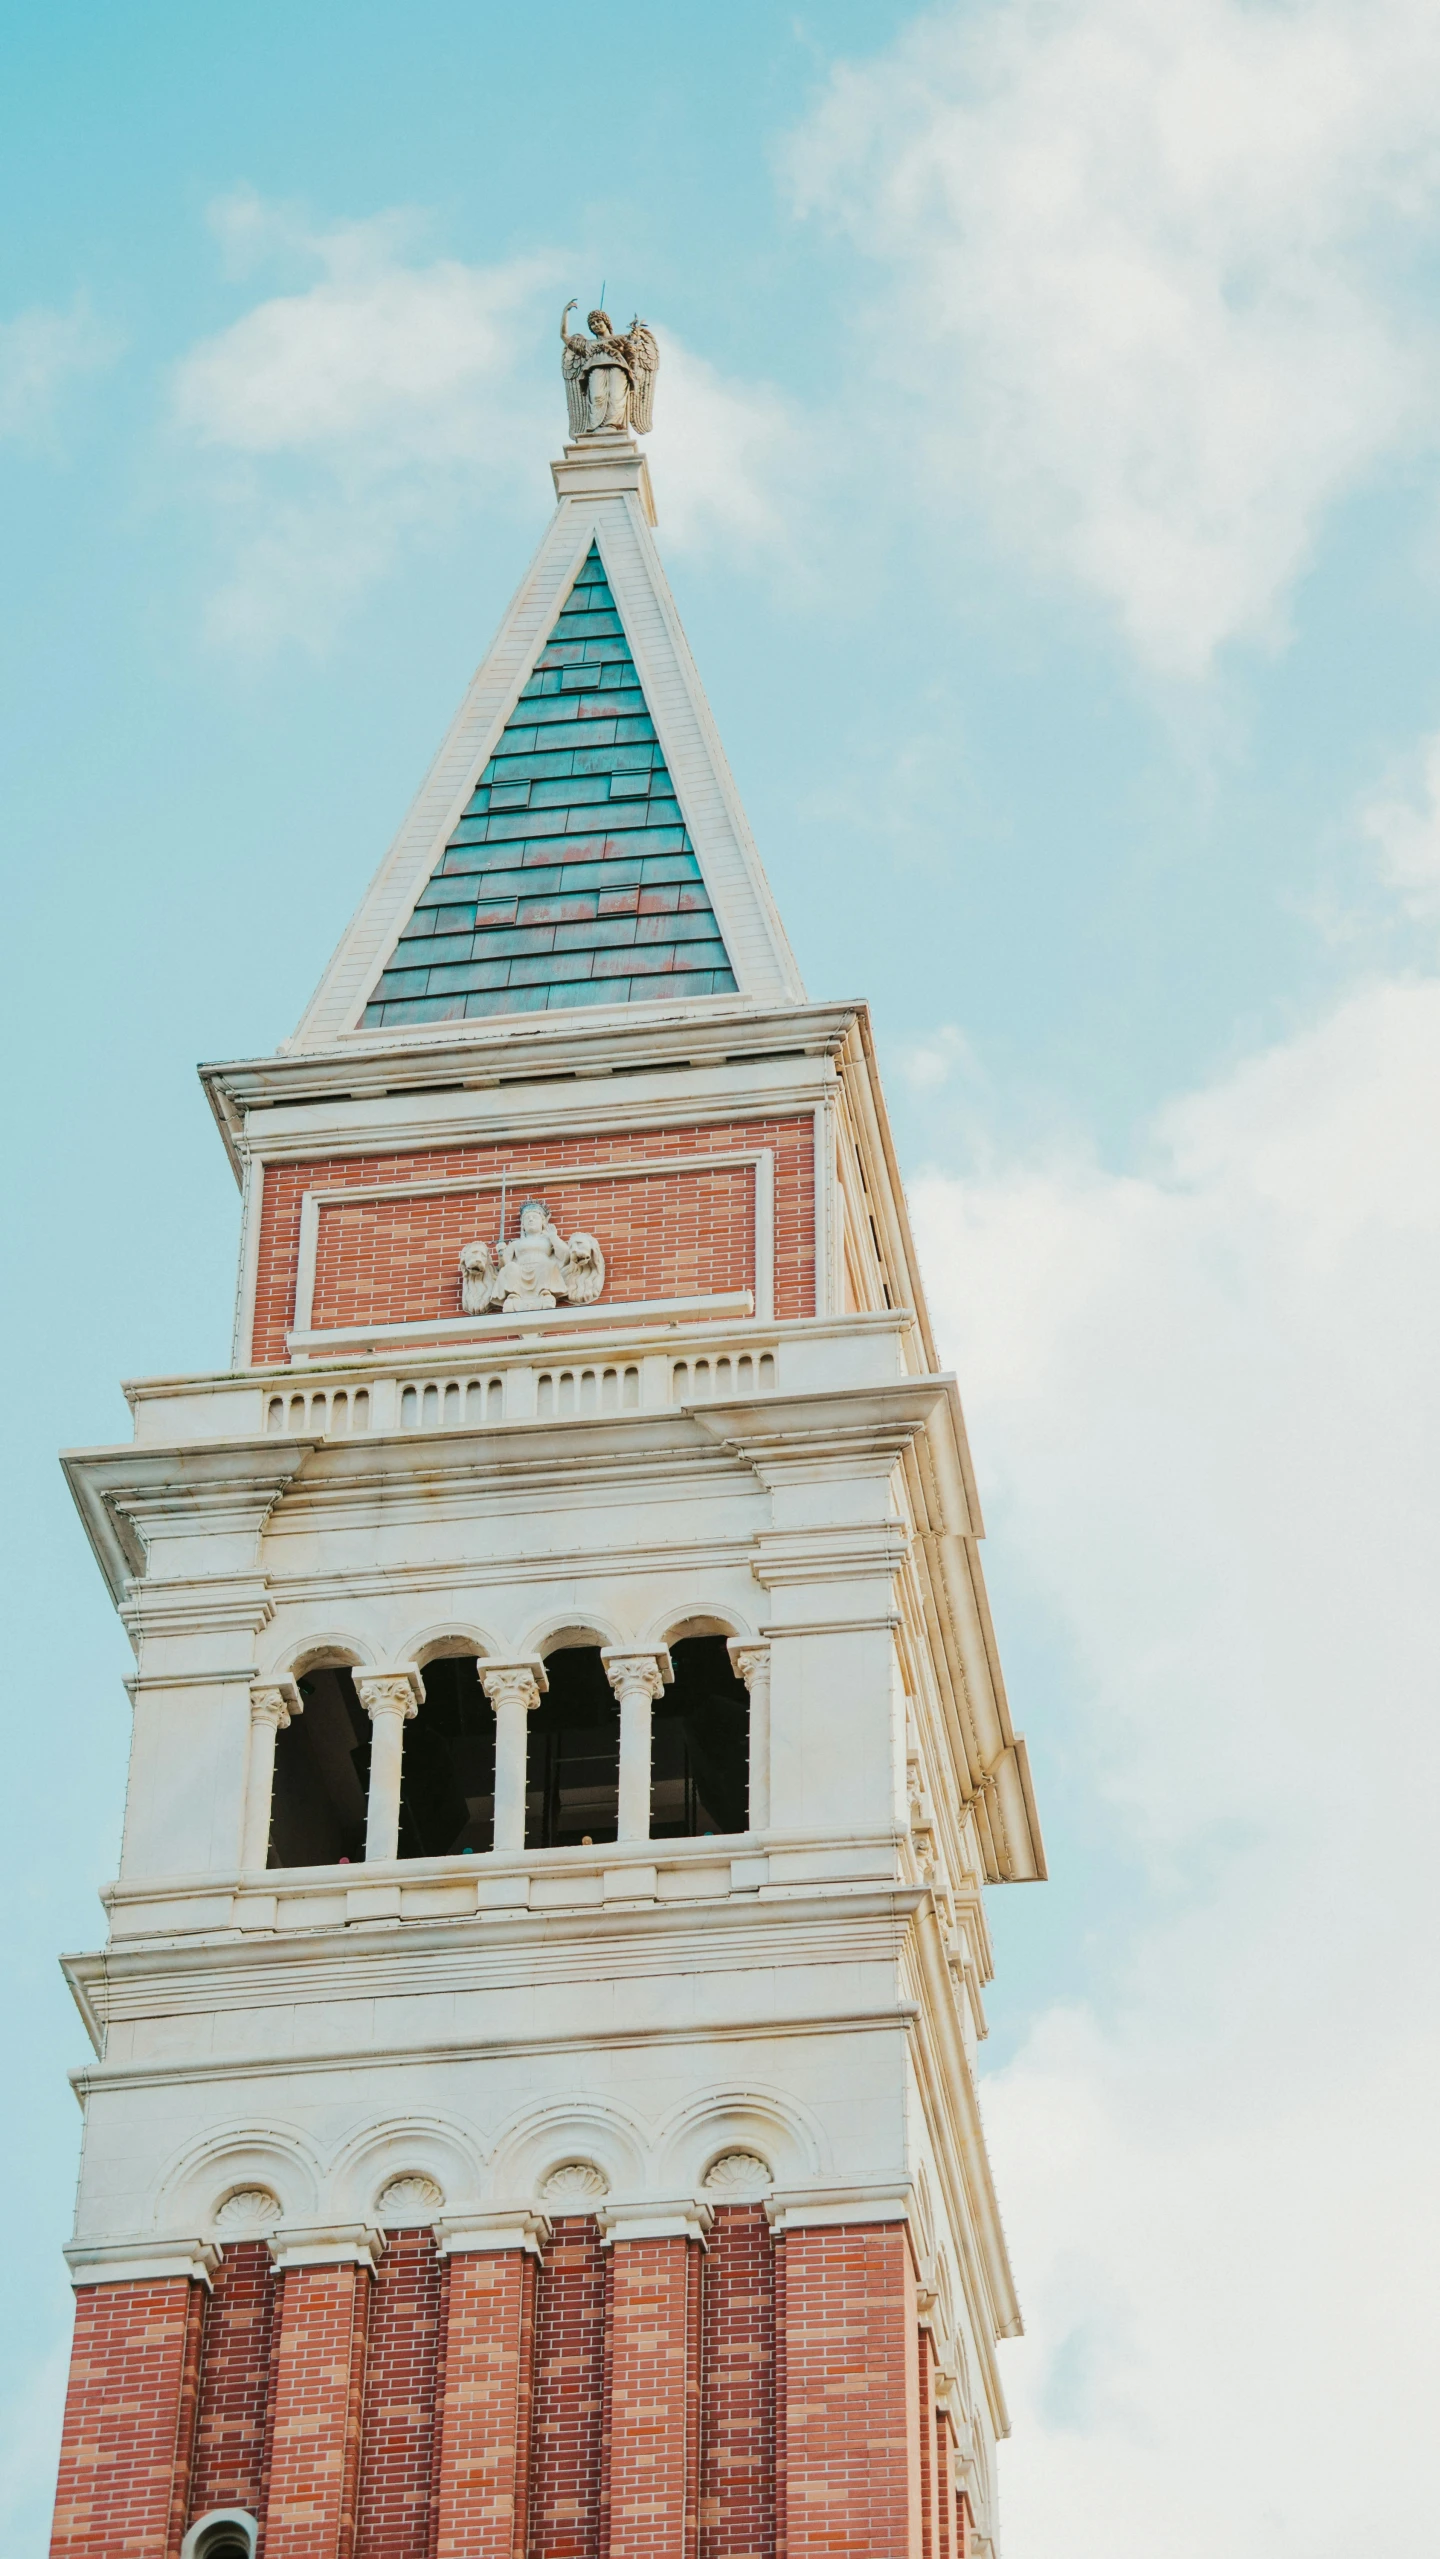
[533, 2111]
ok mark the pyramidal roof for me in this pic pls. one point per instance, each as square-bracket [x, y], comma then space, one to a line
[579, 840]
[570, 878]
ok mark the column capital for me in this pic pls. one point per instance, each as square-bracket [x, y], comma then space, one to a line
[521, 1682]
[639, 1674]
[275, 1701]
[337, 2243]
[400, 1691]
[749, 1657]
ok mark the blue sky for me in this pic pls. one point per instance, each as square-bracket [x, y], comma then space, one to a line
[1047, 472]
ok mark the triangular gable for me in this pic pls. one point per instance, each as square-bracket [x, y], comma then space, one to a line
[603, 520]
[570, 879]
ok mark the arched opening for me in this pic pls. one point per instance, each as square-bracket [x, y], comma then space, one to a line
[572, 1765]
[447, 1786]
[700, 1745]
[225, 2533]
[322, 1773]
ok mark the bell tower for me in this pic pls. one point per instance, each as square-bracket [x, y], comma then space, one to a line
[533, 2107]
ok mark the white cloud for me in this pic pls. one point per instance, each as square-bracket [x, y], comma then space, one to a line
[1152, 279]
[1406, 834]
[1206, 1402]
[41, 352]
[391, 394]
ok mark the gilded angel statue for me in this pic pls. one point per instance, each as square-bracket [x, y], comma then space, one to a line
[536, 1266]
[609, 380]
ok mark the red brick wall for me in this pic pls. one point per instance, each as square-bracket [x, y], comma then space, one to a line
[673, 1235]
[652, 2393]
[737, 2478]
[125, 2448]
[319, 2376]
[398, 2424]
[234, 2383]
[849, 2420]
[482, 2489]
[565, 2457]
[650, 2401]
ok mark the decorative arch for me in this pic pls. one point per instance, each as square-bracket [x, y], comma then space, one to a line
[449, 1640]
[563, 1632]
[326, 1650]
[432, 2148]
[759, 2122]
[548, 2137]
[703, 1617]
[233, 2159]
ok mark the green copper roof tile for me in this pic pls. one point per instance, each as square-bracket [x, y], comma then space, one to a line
[570, 879]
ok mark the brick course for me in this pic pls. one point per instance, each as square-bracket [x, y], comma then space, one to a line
[666, 1235]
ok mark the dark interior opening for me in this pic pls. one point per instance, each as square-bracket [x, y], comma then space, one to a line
[572, 1768]
[322, 1773]
[447, 1786]
[700, 1750]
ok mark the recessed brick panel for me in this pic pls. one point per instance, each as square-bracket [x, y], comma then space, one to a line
[737, 2476]
[568, 2408]
[399, 2421]
[234, 2383]
[664, 1235]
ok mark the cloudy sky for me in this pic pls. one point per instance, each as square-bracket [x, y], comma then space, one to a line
[1049, 472]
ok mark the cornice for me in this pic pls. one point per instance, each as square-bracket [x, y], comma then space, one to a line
[121, 1493]
[517, 1052]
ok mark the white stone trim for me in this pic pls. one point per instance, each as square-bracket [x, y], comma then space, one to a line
[469, 2234]
[201, 2537]
[677, 2217]
[141, 2261]
[338, 2243]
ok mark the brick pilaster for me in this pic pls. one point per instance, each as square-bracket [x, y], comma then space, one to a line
[319, 2376]
[850, 2418]
[482, 2496]
[652, 2398]
[129, 2416]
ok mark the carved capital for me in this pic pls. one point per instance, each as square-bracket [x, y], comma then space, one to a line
[750, 1662]
[390, 1692]
[520, 1684]
[637, 1675]
[275, 1701]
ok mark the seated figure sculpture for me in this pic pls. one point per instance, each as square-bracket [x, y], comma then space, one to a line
[533, 1269]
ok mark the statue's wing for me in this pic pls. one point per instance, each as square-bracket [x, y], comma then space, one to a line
[477, 1278]
[585, 1270]
[645, 364]
[576, 350]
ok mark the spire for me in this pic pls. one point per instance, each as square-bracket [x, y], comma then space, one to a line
[570, 878]
[579, 840]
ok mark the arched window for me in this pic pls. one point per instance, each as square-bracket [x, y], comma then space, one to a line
[447, 1789]
[322, 1771]
[700, 1745]
[572, 1769]
[225, 2533]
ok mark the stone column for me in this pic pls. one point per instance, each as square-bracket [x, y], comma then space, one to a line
[390, 1698]
[637, 1679]
[273, 1702]
[514, 1690]
[751, 1662]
